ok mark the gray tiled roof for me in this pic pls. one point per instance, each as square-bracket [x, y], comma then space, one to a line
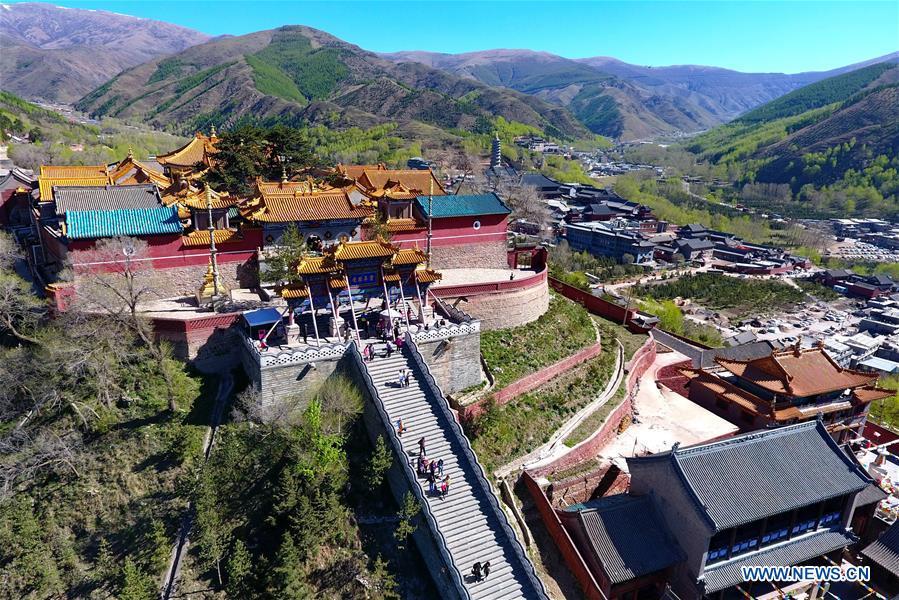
[110, 197]
[885, 550]
[870, 495]
[719, 577]
[628, 537]
[764, 473]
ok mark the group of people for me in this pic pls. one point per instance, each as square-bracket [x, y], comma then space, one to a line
[403, 377]
[480, 571]
[432, 471]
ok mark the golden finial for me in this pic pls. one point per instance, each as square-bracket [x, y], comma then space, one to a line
[130, 152]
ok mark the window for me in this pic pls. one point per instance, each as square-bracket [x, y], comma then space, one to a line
[806, 519]
[476, 225]
[718, 546]
[776, 529]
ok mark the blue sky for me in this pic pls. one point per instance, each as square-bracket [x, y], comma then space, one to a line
[760, 35]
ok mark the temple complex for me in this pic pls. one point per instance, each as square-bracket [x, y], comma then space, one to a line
[785, 387]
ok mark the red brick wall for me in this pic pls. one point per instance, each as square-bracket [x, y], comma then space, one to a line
[605, 480]
[596, 305]
[590, 447]
[563, 541]
[534, 380]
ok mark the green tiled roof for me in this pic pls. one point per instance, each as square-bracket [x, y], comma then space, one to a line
[88, 224]
[463, 206]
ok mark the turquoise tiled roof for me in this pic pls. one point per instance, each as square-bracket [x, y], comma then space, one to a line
[86, 224]
[464, 205]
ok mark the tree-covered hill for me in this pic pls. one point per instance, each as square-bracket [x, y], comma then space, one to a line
[835, 142]
[298, 74]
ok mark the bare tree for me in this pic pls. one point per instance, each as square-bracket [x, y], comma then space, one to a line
[114, 279]
[524, 201]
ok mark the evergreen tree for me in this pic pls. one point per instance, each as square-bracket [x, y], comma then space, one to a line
[406, 525]
[136, 585]
[379, 463]
[288, 582]
[239, 569]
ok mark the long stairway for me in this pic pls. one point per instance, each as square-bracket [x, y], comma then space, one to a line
[469, 517]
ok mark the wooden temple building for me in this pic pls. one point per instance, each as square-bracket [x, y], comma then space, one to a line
[785, 387]
[184, 223]
[389, 283]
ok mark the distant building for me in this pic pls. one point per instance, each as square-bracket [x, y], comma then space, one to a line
[784, 387]
[496, 153]
[604, 239]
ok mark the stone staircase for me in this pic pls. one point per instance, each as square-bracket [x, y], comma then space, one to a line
[469, 518]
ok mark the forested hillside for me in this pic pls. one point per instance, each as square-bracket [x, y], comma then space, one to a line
[298, 75]
[51, 138]
[834, 142]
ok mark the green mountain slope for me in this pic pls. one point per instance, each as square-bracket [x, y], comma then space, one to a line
[835, 142]
[607, 105]
[298, 74]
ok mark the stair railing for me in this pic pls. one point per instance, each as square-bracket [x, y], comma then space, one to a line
[477, 467]
[442, 547]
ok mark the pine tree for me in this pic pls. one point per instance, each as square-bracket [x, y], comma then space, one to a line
[239, 569]
[379, 463]
[287, 577]
[136, 585]
[406, 526]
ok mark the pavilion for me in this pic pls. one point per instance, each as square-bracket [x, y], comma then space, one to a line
[381, 286]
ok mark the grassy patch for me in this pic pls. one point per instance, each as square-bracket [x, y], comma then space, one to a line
[721, 292]
[630, 341]
[886, 412]
[505, 432]
[514, 353]
[594, 421]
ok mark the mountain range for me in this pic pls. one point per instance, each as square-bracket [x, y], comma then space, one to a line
[175, 78]
[622, 100]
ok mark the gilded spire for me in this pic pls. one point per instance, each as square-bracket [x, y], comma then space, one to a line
[130, 152]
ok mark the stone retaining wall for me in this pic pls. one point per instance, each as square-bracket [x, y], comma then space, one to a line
[500, 304]
[532, 381]
[605, 480]
[617, 421]
[563, 541]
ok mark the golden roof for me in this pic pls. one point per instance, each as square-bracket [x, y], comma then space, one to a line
[391, 276]
[131, 171]
[198, 151]
[427, 276]
[403, 225]
[379, 248]
[294, 291]
[66, 176]
[393, 190]
[290, 201]
[408, 256]
[419, 181]
[317, 265]
[200, 238]
[199, 199]
[356, 171]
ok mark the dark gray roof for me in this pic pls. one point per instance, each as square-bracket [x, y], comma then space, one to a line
[538, 180]
[110, 197]
[870, 495]
[747, 351]
[719, 577]
[744, 337]
[885, 550]
[695, 244]
[628, 536]
[694, 227]
[600, 209]
[752, 476]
